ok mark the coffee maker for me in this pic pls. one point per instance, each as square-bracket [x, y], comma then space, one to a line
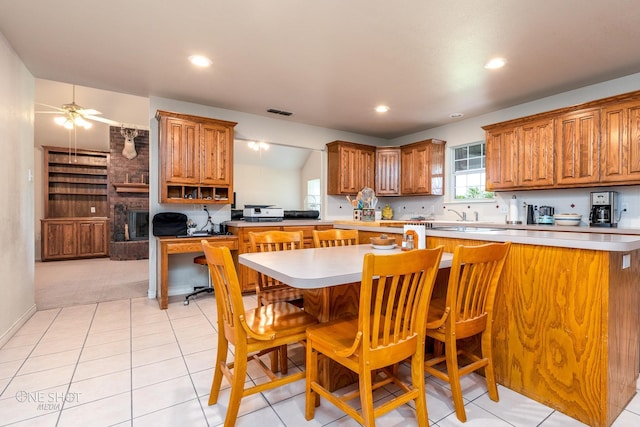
[603, 211]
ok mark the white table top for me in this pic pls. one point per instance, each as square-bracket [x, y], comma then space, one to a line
[318, 267]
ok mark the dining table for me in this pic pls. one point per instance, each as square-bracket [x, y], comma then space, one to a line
[330, 278]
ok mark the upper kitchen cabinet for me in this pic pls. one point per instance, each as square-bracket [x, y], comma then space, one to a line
[422, 168]
[387, 171]
[577, 147]
[520, 155]
[351, 167]
[620, 143]
[196, 159]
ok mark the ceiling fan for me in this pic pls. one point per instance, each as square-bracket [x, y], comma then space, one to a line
[72, 116]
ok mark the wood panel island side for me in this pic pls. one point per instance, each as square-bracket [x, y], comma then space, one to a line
[567, 320]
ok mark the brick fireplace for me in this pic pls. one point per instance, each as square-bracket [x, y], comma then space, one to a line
[129, 198]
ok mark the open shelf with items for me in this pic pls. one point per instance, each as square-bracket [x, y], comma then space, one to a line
[196, 193]
[76, 183]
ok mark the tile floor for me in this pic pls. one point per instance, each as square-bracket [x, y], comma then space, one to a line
[127, 363]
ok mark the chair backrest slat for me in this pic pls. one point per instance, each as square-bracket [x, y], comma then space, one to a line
[394, 296]
[334, 237]
[475, 273]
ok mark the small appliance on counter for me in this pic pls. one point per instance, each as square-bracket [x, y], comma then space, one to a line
[262, 214]
[545, 215]
[603, 211]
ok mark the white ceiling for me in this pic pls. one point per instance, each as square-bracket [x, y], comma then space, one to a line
[330, 62]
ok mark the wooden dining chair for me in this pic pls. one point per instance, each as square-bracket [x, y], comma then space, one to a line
[388, 329]
[251, 332]
[334, 237]
[270, 290]
[466, 312]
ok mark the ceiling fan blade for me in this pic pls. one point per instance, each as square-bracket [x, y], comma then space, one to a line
[88, 112]
[103, 120]
[58, 109]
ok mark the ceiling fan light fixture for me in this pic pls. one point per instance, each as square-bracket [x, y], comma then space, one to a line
[258, 146]
[495, 63]
[200, 61]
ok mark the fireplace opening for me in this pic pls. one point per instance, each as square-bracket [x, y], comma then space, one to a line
[138, 222]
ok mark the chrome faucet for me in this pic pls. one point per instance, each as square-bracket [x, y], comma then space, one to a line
[463, 215]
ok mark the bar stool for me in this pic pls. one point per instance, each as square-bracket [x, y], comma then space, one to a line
[201, 260]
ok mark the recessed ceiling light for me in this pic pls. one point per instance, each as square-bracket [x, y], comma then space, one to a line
[456, 115]
[382, 109]
[200, 61]
[495, 63]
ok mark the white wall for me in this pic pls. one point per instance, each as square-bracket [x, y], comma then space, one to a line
[282, 189]
[17, 301]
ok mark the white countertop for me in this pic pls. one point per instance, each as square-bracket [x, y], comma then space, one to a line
[318, 267]
[283, 223]
[542, 236]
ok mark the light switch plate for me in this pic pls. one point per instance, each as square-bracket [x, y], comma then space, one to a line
[626, 261]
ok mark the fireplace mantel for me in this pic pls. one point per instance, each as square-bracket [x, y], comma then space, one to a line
[131, 187]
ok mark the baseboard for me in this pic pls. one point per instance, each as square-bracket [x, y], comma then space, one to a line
[7, 335]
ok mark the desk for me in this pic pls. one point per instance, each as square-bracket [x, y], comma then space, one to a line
[331, 280]
[182, 245]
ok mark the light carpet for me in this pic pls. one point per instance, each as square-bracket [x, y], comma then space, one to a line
[66, 283]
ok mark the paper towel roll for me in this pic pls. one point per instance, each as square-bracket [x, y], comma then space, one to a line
[514, 214]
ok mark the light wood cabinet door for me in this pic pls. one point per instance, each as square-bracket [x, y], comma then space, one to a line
[620, 144]
[535, 155]
[180, 148]
[501, 158]
[92, 239]
[422, 168]
[577, 148]
[217, 155]
[388, 171]
[351, 167]
[58, 239]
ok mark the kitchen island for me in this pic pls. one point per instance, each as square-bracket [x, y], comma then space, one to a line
[567, 321]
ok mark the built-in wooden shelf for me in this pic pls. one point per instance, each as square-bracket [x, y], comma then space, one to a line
[131, 187]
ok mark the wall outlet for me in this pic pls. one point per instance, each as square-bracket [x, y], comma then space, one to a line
[93, 209]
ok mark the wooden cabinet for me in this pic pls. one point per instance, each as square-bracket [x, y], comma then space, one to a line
[577, 147]
[351, 167]
[520, 155]
[76, 204]
[387, 171]
[68, 238]
[247, 276]
[620, 143]
[422, 168]
[196, 159]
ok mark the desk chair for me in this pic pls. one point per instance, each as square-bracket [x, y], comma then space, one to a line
[270, 290]
[252, 333]
[201, 260]
[389, 328]
[467, 311]
[334, 237]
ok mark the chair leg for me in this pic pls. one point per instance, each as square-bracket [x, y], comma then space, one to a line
[451, 355]
[417, 377]
[366, 400]
[284, 360]
[273, 356]
[311, 397]
[221, 360]
[237, 388]
[489, 372]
